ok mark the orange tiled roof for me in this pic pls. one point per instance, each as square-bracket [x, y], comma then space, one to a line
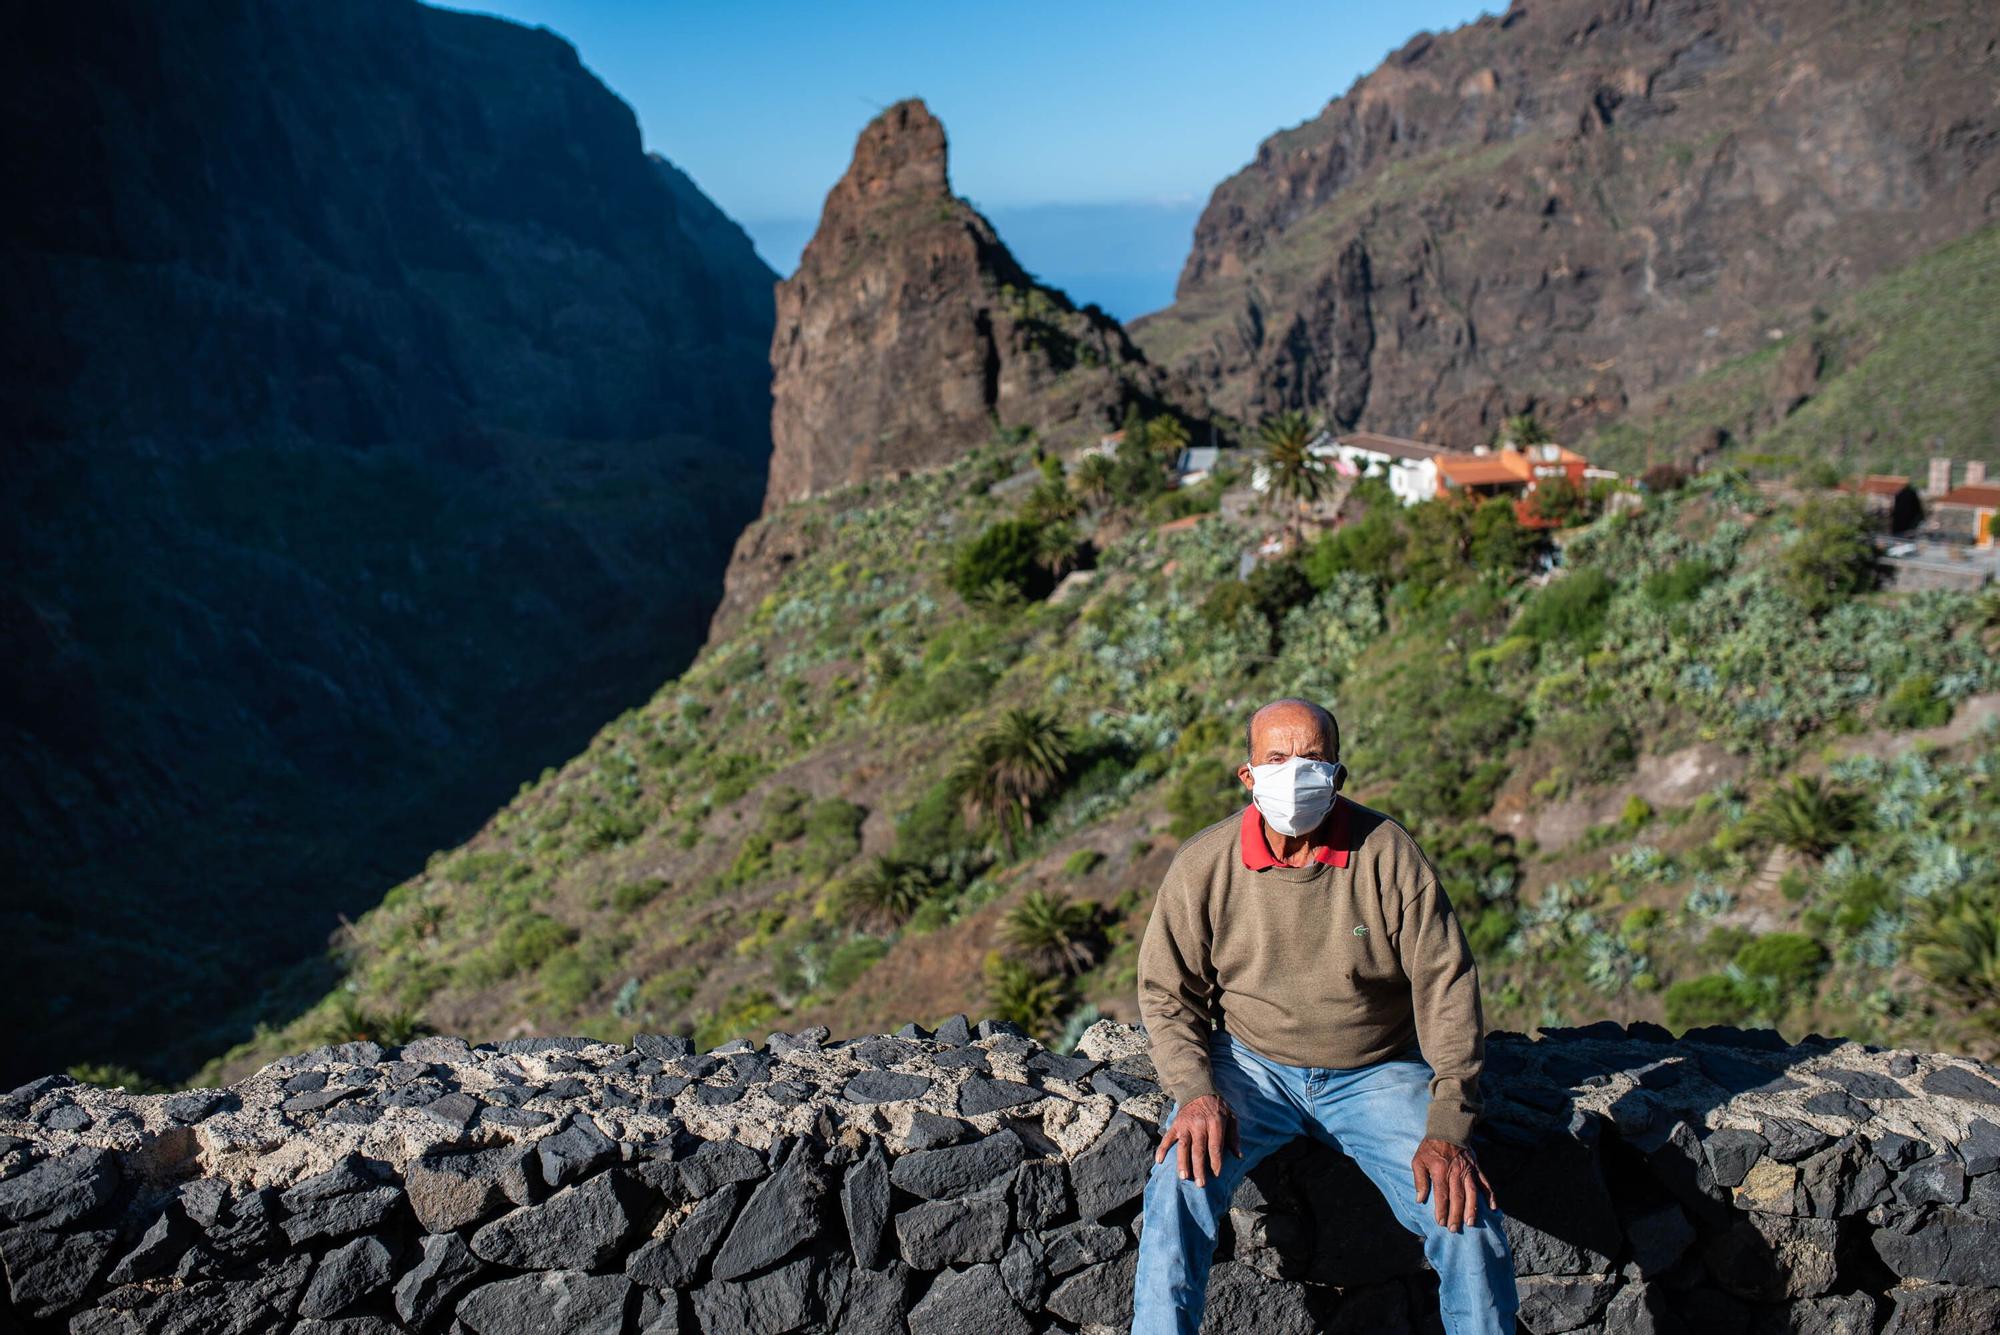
[1980, 496]
[1882, 484]
[1483, 470]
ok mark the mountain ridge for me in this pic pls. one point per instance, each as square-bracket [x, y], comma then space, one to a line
[1571, 208]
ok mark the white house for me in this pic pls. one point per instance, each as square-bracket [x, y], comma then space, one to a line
[1410, 466]
[1194, 464]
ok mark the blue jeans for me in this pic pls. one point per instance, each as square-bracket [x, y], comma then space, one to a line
[1374, 1114]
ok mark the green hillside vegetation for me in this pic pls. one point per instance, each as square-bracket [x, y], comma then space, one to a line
[915, 781]
[1910, 368]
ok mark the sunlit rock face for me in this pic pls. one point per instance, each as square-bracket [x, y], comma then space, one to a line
[1572, 208]
[909, 332]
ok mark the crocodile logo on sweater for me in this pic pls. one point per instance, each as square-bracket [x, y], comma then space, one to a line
[1360, 931]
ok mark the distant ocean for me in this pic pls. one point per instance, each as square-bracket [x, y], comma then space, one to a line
[1124, 257]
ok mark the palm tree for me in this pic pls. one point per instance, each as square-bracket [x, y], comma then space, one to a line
[1167, 437]
[1017, 993]
[1295, 472]
[1056, 548]
[1049, 502]
[1010, 767]
[1522, 430]
[1956, 946]
[1806, 816]
[1054, 932]
[1092, 479]
[887, 890]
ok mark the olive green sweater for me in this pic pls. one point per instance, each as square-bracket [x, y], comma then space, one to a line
[1314, 966]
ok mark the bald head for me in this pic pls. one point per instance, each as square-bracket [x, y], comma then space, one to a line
[1292, 727]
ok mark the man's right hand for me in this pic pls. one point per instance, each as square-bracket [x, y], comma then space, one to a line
[1197, 1137]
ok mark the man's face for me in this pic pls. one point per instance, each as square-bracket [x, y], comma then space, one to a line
[1279, 732]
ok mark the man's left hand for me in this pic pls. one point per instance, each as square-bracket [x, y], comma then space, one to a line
[1455, 1174]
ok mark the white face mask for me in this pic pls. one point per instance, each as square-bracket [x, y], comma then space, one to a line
[1294, 794]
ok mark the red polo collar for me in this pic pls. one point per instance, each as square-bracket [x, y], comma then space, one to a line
[1257, 854]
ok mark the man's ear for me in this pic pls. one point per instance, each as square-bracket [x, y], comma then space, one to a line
[1244, 777]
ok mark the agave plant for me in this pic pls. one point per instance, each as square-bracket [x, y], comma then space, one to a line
[1806, 816]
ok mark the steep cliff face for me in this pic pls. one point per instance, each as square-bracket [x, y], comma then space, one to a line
[1573, 206]
[909, 329]
[379, 418]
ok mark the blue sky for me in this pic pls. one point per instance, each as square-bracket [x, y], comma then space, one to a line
[1091, 133]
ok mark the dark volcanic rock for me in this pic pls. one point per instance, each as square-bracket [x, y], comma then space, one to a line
[1949, 1247]
[929, 1131]
[1563, 1302]
[50, 1271]
[454, 1190]
[557, 1300]
[884, 1086]
[782, 1299]
[671, 1259]
[983, 1094]
[429, 1288]
[1113, 1170]
[972, 1301]
[960, 1169]
[1098, 1295]
[1041, 1193]
[1958, 1083]
[864, 1203]
[345, 1276]
[952, 1232]
[1731, 1152]
[61, 1190]
[581, 1227]
[783, 1212]
[576, 1151]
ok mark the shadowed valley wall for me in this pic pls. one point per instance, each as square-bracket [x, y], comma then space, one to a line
[379, 418]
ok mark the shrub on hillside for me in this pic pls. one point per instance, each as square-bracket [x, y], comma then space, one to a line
[1784, 964]
[525, 942]
[1007, 554]
[1831, 558]
[1915, 703]
[1570, 609]
[1678, 583]
[1710, 999]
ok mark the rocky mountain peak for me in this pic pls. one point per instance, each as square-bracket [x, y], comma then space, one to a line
[901, 152]
[910, 330]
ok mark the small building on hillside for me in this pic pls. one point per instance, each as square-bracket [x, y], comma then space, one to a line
[1408, 466]
[1511, 472]
[1966, 514]
[1194, 464]
[1890, 502]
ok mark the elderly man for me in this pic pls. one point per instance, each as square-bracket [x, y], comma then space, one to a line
[1303, 975]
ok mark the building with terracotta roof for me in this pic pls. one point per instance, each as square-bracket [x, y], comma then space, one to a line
[1511, 472]
[1966, 513]
[1890, 501]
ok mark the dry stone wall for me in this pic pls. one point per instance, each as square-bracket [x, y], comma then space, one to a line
[971, 1180]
